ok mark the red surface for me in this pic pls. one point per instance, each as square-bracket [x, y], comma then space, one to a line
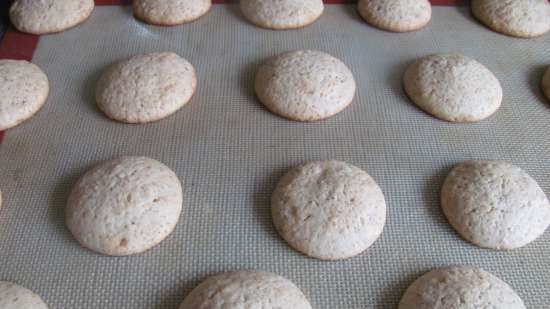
[434, 2]
[17, 45]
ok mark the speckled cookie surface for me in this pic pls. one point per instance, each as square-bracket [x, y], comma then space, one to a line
[460, 287]
[282, 14]
[453, 88]
[170, 12]
[396, 15]
[24, 89]
[519, 18]
[13, 296]
[305, 85]
[546, 83]
[246, 289]
[49, 16]
[495, 204]
[124, 206]
[328, 210]
[146, 88]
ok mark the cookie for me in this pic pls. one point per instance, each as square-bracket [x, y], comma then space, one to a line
[460, 287]
[13, 296]
[396, 15]
[454, 88]
[146, 88]
[519, 18]
[494, 204]
[49, 16]
[246, 289]
[24, 88]
[305, 85]
[328, 210]
[282, 14]
[546, 83]
[124, 206]
[170, 12]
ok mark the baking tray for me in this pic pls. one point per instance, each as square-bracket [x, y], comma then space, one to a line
[230, 151]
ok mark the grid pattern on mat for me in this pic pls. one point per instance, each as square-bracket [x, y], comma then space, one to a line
[230, 152]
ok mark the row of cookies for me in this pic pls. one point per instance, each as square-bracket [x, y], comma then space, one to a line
[301, 85]
[328, 210]
[519, 18]
[449, 287]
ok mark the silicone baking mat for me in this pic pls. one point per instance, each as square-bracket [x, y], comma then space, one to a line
[230, 151]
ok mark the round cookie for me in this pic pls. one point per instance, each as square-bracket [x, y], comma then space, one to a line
[494, 204]
[246, 289]
[305, 85]
[24, 88]
[170, 12]
[282, 14]
[328, 210]
[13, 296]
[146, 88]
[453, 88]
[396, 15]
[546, 83]
[460, 287]
[124, 206]
[49, 16]
[519, 18]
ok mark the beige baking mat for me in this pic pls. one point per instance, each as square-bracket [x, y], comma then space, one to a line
[230, 152]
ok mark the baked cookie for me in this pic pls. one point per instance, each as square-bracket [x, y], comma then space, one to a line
[13, 296]
[170, 12]
[24, 88]
[519, 18]
[246, 289]
[49, 16]
[396, 15]
[546, 83]
[328, 210]
[124, 206]
[494, 204]
[146, 88]
[453, 88]
[460, 287]
[305, 85]
[282, 14]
